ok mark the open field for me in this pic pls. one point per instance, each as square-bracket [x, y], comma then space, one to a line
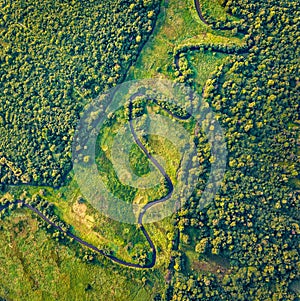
[36, 267]
[177, 24]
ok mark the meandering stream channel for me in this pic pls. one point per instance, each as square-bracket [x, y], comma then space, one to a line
[144, 209]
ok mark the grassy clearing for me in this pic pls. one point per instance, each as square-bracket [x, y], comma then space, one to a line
[177, 23]
[165, 149]
[89, 224]
[37, 268]
[214, 9]
[204, 63]
[204, 263]
[139, 163]
[212, 38]
[107, 169]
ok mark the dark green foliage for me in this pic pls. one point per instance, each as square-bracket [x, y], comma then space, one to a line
[138, 161]
[252, 220]
[202, 287]
[55, 56]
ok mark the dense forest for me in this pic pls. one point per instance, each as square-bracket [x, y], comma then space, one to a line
[254, 221]
[55, 56]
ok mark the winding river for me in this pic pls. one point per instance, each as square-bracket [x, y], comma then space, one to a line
[144, 209]
[142, 212]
